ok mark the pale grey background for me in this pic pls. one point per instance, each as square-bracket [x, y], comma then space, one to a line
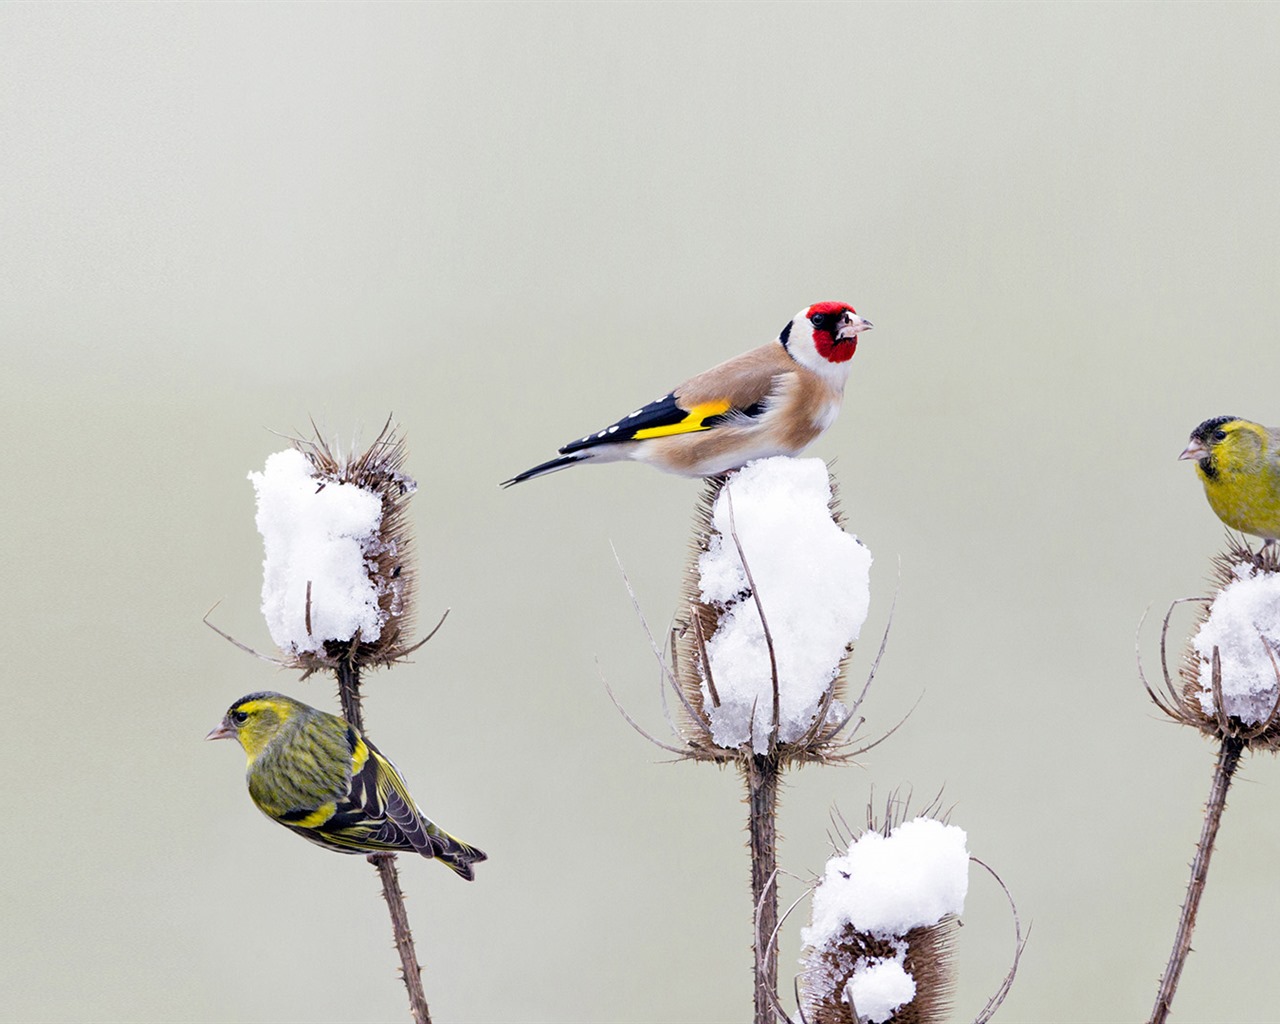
[507, 225]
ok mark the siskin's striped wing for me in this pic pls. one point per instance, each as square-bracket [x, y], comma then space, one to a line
[361, 821]
[378, 815]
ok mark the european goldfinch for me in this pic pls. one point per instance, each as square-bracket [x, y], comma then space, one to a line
[1239, 464]
[773, 400]
[315, 774]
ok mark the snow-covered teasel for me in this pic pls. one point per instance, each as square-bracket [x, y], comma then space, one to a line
[1229, 678]
[1229, 690]
[779, 593]
[877, 948]
[1243, 627]
[337, 574]
[319, 540]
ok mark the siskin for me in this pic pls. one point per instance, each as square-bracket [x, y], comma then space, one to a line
[1239, 464]
[315, 774]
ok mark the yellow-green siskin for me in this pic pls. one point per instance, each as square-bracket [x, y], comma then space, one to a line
[1239, 464]
[314, 773]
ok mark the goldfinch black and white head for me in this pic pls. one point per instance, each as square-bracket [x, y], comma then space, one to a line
[824, 337]
[772, 400]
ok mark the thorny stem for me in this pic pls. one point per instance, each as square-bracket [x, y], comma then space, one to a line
[763, 773]
[1228, 761]
[385, 863]
[349, 694]
[409, 969]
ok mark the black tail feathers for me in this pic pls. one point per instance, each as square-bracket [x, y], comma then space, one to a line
[562, 462]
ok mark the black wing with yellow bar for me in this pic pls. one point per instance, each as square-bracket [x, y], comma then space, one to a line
[662, 418]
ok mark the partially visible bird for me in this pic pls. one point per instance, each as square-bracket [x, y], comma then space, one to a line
[1239, 464]
[772, 400]
[315, 774]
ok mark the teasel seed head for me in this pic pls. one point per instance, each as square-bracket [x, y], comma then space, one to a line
[775, 594]
[879, 948]
[338, 573]
[1229, 670]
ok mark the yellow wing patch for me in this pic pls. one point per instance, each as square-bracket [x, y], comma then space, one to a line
[694, 420]
[317, 817]
[359, 755]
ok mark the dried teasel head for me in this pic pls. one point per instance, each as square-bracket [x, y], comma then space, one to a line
[775, 594]
[1228, 682]
[880, 945]
[338, 574]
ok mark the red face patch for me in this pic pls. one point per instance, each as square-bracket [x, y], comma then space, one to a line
[830, 349]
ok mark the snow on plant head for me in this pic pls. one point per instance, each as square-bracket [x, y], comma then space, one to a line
[879, 934]
[337, 574]
[318, 540]
[1243, 624]
[810, 578]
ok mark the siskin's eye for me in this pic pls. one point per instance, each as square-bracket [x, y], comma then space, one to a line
[239, 717]
[1219, 435]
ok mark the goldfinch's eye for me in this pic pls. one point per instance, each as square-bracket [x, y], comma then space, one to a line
[819, 320]
[1219, 435]
[239, 717]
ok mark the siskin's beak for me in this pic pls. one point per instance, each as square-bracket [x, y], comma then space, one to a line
[222, 732]
[852, 327]
[1195, 450]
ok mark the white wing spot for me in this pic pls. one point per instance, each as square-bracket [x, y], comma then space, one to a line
[613, 429]
[635, 414]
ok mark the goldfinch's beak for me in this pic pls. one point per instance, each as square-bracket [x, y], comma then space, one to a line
[852, 327]
[1195, 450]
[222, 732]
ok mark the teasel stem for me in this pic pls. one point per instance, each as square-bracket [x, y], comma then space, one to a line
[385, 864]
[1228, 760]
[763, 773]
[349, 694]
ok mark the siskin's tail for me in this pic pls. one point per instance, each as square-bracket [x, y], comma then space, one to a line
[456, 854]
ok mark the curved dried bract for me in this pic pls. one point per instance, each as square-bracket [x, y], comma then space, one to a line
[1019, 944]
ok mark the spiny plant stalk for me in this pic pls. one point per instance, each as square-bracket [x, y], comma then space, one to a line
[349, 695]
[763, 774]
[1228, 760]
[385, 864]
